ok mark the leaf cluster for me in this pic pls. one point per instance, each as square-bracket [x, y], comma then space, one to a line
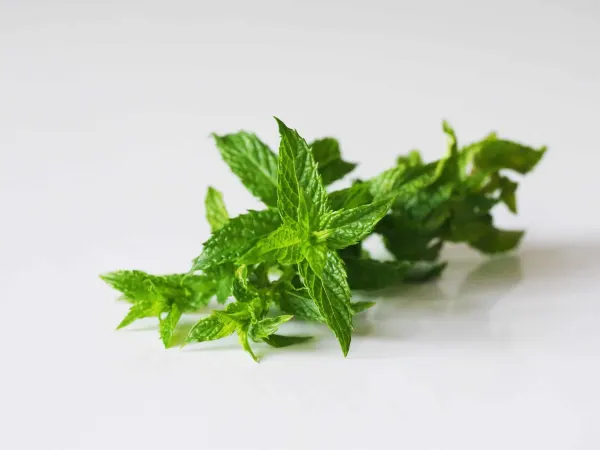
[302, 256]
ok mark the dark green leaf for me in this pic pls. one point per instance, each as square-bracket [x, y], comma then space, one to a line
[278, 340]
[328, 157]
[497, 241]
[499, 154]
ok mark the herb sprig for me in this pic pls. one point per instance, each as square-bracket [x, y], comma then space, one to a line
[301, 256]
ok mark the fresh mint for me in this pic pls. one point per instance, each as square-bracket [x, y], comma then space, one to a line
[301, 257]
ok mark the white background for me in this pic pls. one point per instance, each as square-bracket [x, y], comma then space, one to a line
[105, 112]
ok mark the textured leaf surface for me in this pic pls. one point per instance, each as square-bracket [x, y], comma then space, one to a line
[298, 303]
[349, 226]
[210, 329]
[298, 177]
[282, 245]
[236, 238]
[266, 327]
[253, 162]
[216, 212]
[168, 324]
[331, 293]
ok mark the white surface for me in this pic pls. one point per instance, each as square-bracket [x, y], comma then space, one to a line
[105, 111]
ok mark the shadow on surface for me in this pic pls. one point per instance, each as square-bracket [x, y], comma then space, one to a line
[436, 311]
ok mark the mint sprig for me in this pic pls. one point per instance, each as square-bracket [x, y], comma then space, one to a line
[301, 256]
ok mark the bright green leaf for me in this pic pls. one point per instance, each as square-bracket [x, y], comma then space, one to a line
[298, 176]
[349, 226]
[216, 213]
[253, 162]
[282, 245]
[331, 293]
[168, 324]
[236, 238]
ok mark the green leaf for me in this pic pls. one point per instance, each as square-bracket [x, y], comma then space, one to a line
[413, 159]
[190, 292]
[168, 324]
[497, 241]
[298, 303]
[498, 154]
[408, 240]
[138, 311]
[242, 332]
[356, 195]
[359, 307]
[253, 162]
[216, 213]
[222, 276]
[331, 293]
[209, 329]
[278, 340]
[282, 245]
[327, 155]
[298, 177]
[242, 290]
[370, 274]
[266, 327]
[508, 190]
[316, 256]
[236, 238]
[349, 226]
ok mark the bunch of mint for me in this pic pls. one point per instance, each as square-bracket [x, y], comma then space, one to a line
[302, 255]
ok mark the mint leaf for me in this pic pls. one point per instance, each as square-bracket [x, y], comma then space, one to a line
[282, 245]
[216, 213]
[331, 293]
[298, 303]
[349, 226]
[209, 329]
[266, 327]
[279, 341]
[190, 292]
[168, 324]
[316, 256]
[359, 307]
[298, 180]
[242, 332]
[494, 155]
[370, 274]
[138, 311]
[236, 238]
[357, 195]
[497, 241]
[253, 162]
[328, 157]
